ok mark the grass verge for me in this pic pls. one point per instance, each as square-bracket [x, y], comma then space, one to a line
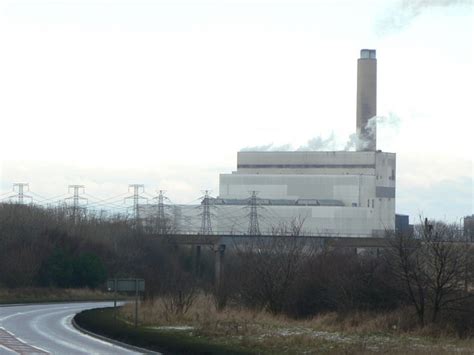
[169, 341]
[260, 332]
[243, 333]
[40, 295]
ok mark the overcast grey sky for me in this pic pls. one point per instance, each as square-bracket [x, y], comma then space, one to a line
[106, 93]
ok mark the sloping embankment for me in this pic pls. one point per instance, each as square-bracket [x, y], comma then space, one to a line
[101, 322]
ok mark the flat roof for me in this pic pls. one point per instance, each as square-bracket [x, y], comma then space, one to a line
[276, 202]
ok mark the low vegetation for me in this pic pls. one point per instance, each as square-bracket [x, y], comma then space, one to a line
[102, 321]
[275, 294]
[254, 331]
[32, 295]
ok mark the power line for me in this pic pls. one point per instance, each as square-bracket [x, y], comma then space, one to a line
[20, 187]
[5, 193]
[44, 199]
[115, 203]
[119, 197]
[112, 201]
[106, 205]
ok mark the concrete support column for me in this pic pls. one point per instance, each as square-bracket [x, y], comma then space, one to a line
[218, 264]
[197, 260]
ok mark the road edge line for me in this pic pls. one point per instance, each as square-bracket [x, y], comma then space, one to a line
[110, 340]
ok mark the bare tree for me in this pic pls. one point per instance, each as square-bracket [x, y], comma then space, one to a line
[407, 268]
[270, 265]
[432, 265]
[179, 290]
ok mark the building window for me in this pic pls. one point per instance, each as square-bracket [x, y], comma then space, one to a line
[368, 203]
[372, 203]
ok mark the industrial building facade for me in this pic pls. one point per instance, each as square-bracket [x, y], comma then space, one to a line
[333, 193]
[336, 193]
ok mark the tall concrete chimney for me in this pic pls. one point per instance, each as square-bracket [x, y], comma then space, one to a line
[366, 100]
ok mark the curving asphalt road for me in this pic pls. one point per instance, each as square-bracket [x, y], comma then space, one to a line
[47, 329]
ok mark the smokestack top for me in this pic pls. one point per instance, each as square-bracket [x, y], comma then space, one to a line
[366, 100]
[367, 54]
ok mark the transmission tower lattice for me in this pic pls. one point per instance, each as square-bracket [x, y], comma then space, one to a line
[206, 226]
[20, 187]
[254, 228]
[76, 200]
[161, 221]
[177, 215]
[136, 199]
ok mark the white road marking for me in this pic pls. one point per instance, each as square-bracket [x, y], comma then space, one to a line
[50, 327]
[4, 350]
[20, 314]
[67, 323]
[52, 337]
[8, 340]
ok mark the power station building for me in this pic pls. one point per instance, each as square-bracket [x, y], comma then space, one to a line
[333, 193]
[338, 193]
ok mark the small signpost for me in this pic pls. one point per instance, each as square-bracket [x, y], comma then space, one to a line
[126, 285]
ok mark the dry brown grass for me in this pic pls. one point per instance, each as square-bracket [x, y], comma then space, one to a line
[359, 332]
[202, 314]
[20, 295]
[399, 321]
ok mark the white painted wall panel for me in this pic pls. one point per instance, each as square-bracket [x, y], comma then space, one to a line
[349, 184]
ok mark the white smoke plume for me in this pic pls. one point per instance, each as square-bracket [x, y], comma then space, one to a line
[389, 122]
[405, 11]
[319, 143]
[352, 142]
[268, 148]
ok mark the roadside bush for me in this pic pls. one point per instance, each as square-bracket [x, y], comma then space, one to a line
[318, 282]
[461, 318]
[62, 269]
[284, 275]
[88, 271]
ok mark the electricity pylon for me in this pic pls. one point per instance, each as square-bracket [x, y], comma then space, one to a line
[76, 200]
[206, 225]
[161, 219]
[254, 228]
[136, 199]
[20, 187]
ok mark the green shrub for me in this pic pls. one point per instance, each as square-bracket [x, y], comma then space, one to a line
[62, 269]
